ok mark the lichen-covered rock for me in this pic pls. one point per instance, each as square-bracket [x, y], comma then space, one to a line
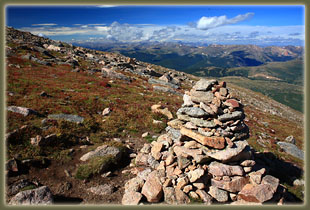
[38, 196]
[102, 151]
[218, 194]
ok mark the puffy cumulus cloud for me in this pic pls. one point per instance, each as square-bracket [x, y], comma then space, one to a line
[124, 32]
[205, 23]
[226, 34]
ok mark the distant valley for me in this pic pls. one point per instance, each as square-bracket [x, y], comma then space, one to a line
[274, 71]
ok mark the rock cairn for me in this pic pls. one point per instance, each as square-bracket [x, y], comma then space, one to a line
[203, 156]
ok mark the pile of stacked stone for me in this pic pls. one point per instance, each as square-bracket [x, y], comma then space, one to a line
[203, 156]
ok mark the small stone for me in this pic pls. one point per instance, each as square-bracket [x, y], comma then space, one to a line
[144, 173]
[181, 182]
[235, 185]
[107, 174]
[195, 174]
[298, 182]
[161, 166]
[220, 169]
[230, 116]
[145, 134]
[248, 163]
[247, 169]
[22, 110]
[177, 171]
[106, 112]
[199, 185]
[290, 139]
[256, 177]
[233, 196]
[142, 159]
[232, 103]
[206, 108]
[170, 159]
[192, 112]
[191, 144]
[167, 183]
[183, 162]
[214, 142]
[190, 125]
[223, 92]
[155, 150]
[272, 181]
[206, 198]
[204, 85]
[176, 123]
[131, 198]
[218, 194]
[170, 195]
[181, 197]
[200, 96]
[227, 154]
[193, 195]
[146, 149]
[101, 189]
[187, 102]
[187, 188]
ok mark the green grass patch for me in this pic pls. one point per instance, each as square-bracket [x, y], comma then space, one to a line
[95, 165]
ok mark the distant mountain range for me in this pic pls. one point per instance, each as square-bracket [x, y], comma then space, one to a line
[262, 65]
[191, 59]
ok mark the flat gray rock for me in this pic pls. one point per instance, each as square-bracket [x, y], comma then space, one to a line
[230, 116]
[161, 82]
[200, 96]
[192, 111]
[227, 153]
[66, 117]
[41, 196]
[204, 85]
[22, 110]
[102, 151]
[291, 149]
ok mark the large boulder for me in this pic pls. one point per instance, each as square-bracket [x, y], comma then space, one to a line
[291, 149]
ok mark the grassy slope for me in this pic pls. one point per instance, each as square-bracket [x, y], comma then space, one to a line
[86, 95]
[285, 93]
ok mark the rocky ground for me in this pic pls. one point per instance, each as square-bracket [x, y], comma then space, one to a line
[90, 127]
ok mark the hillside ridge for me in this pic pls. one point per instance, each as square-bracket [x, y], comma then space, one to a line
[67, 104]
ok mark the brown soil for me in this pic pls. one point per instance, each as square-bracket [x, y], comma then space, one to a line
[70, 190]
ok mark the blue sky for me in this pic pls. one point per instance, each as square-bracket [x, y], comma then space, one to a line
[261, 25]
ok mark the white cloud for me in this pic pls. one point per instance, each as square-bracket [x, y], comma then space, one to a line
[45, 24]
[106, 6]
[102, 28]
[205, 23]
[225, 34]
